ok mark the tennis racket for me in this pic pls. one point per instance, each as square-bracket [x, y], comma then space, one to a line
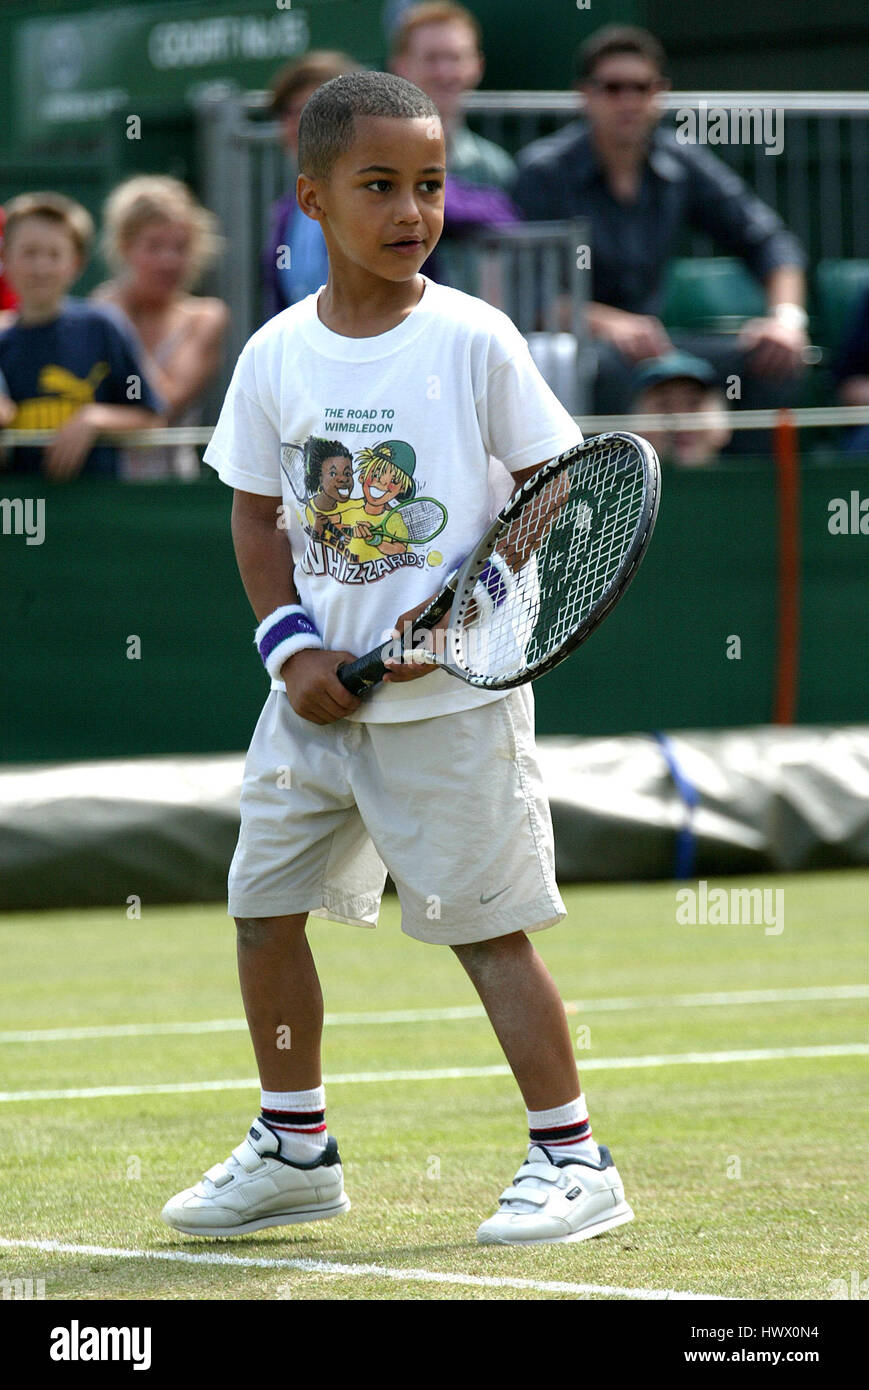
[413, 523]
[293, 466]
[548, 570]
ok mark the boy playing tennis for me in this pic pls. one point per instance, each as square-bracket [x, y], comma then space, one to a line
[381, 350]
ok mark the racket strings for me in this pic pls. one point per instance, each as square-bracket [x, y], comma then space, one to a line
[421, 519]
[557, 557]
[293, 465]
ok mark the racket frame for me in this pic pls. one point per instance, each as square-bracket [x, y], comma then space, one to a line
[301, 493]
[457, 593]
[380, 533]
[470, 572]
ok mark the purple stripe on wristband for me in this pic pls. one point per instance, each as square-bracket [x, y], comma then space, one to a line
[290, 626]
[493, 583]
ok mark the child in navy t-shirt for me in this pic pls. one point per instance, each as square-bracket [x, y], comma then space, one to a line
[65, 364]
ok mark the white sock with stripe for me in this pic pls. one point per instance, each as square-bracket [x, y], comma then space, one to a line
[565, 1130]
[299, 1120]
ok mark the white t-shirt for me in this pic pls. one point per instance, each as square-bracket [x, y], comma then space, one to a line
[345, 432]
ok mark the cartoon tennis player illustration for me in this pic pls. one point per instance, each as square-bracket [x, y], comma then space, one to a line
[387, 523]
[328, 468]
[389, 517]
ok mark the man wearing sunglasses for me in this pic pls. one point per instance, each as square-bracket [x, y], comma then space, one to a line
[641, 188]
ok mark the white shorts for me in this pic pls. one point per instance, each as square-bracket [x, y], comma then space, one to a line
[454, 807]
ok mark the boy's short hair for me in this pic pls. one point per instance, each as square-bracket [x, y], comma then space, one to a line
[326, 127]
[317, 67]
[431, 12]
[613, 39]
[55, 208]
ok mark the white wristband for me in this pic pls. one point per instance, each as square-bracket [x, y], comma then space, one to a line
[794, 315]
[495, 585]
[284, 632]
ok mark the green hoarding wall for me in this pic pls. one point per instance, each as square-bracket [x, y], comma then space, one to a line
[74, 75]
[80, 69]
[155, 563]
[758, 45]
[68, 67]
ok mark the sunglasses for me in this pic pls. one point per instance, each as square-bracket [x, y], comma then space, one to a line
[614, 89]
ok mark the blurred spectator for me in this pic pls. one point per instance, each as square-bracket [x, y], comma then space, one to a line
[851, 373]
[65, 364]
[158, 240]
[680, 384]
[437, 46]
[641, 188]
[295, 263]
[8, 299]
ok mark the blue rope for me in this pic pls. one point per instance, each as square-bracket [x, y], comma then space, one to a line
[686, 840]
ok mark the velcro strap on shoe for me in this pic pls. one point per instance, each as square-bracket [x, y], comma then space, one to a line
[219, 1175]
[525, 1193]
[247, 1156]
[545, 1172]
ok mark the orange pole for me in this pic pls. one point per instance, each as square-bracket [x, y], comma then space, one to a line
[786, 449]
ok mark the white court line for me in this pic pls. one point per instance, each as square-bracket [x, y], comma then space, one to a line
[671, 1059]
[418, 1276]
[448, 1015]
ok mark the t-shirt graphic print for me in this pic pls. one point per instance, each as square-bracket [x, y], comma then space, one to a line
[361, 513]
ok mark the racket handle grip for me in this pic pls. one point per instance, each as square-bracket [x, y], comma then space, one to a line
[368, 670]
[359, 675]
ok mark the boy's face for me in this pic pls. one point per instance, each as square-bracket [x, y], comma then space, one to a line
[382, 206]
[40, 261]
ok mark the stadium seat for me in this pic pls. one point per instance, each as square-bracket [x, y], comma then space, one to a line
[710, 294]
[839, 286]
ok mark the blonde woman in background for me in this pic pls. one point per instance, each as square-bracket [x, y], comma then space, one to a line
[158, 240]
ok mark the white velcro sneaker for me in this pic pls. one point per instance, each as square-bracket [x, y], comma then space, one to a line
[558, 1199]
[255, 1187]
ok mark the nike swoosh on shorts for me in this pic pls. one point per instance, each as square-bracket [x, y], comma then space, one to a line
[492, 896]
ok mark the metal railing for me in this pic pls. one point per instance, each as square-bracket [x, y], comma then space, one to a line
[523, 268]
[819, 183]
[808, 417]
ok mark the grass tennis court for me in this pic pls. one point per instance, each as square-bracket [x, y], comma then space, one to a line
[746, 1174]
